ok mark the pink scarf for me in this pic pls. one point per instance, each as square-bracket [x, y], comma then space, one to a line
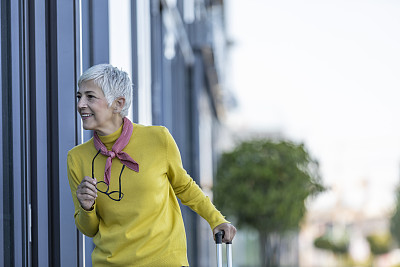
[116, 150]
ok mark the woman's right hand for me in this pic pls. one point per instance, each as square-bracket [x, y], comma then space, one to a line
[87, 192]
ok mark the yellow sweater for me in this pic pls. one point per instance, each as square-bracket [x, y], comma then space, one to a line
[145, 228]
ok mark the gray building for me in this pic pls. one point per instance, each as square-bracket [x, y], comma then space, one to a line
[174, 52]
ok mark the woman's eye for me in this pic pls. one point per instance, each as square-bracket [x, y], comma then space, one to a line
[91, 96]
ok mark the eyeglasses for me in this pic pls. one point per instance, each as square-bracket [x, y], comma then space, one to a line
[102, 187]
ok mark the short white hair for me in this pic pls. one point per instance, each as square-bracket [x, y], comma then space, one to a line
[113, 82]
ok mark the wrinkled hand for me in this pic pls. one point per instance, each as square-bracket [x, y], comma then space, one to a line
[87, 192]
[229, 229]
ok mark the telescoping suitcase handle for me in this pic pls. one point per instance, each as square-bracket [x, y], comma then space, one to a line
[218, 241]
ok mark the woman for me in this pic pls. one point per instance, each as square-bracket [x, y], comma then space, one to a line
[132, 214]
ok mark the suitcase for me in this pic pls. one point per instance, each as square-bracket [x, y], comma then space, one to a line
[218, 242]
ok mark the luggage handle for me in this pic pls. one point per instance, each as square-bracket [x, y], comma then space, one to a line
[218, 240]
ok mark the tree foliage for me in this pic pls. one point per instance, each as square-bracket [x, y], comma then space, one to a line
[395, 220]
[380, 243]
[337, 246]
[264, 184]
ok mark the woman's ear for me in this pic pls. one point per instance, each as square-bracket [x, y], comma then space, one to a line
[119, 103]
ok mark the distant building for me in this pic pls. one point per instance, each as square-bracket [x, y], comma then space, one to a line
[338, 218]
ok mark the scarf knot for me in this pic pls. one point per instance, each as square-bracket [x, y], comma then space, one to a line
[116, 150]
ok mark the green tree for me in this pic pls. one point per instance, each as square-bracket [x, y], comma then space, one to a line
[337, 246]
[380, 243]
[264, 185]
[395, 220]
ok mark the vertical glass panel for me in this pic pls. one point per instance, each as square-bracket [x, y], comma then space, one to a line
[144, 61]
[206, 145]
[120, 37]
[7, 231]
[1, 155]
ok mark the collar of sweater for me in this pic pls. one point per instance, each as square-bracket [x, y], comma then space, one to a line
[109, 140]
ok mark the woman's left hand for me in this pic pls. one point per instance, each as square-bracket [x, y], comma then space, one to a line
[229, 229]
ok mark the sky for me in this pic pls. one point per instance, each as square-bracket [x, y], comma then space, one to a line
[325, 73]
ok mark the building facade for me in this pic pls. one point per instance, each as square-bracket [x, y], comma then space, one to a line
[174, 52]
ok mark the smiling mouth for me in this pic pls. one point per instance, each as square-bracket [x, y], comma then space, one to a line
[85, 116]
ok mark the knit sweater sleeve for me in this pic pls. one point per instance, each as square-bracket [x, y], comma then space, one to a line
[185, 187]
[87, 222]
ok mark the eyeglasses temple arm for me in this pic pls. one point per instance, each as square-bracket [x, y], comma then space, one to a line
[93, 163]
[123, 166]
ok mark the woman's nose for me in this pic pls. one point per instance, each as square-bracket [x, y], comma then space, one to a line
[82, 103]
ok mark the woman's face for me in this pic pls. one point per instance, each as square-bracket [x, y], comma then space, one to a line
[94, 110]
